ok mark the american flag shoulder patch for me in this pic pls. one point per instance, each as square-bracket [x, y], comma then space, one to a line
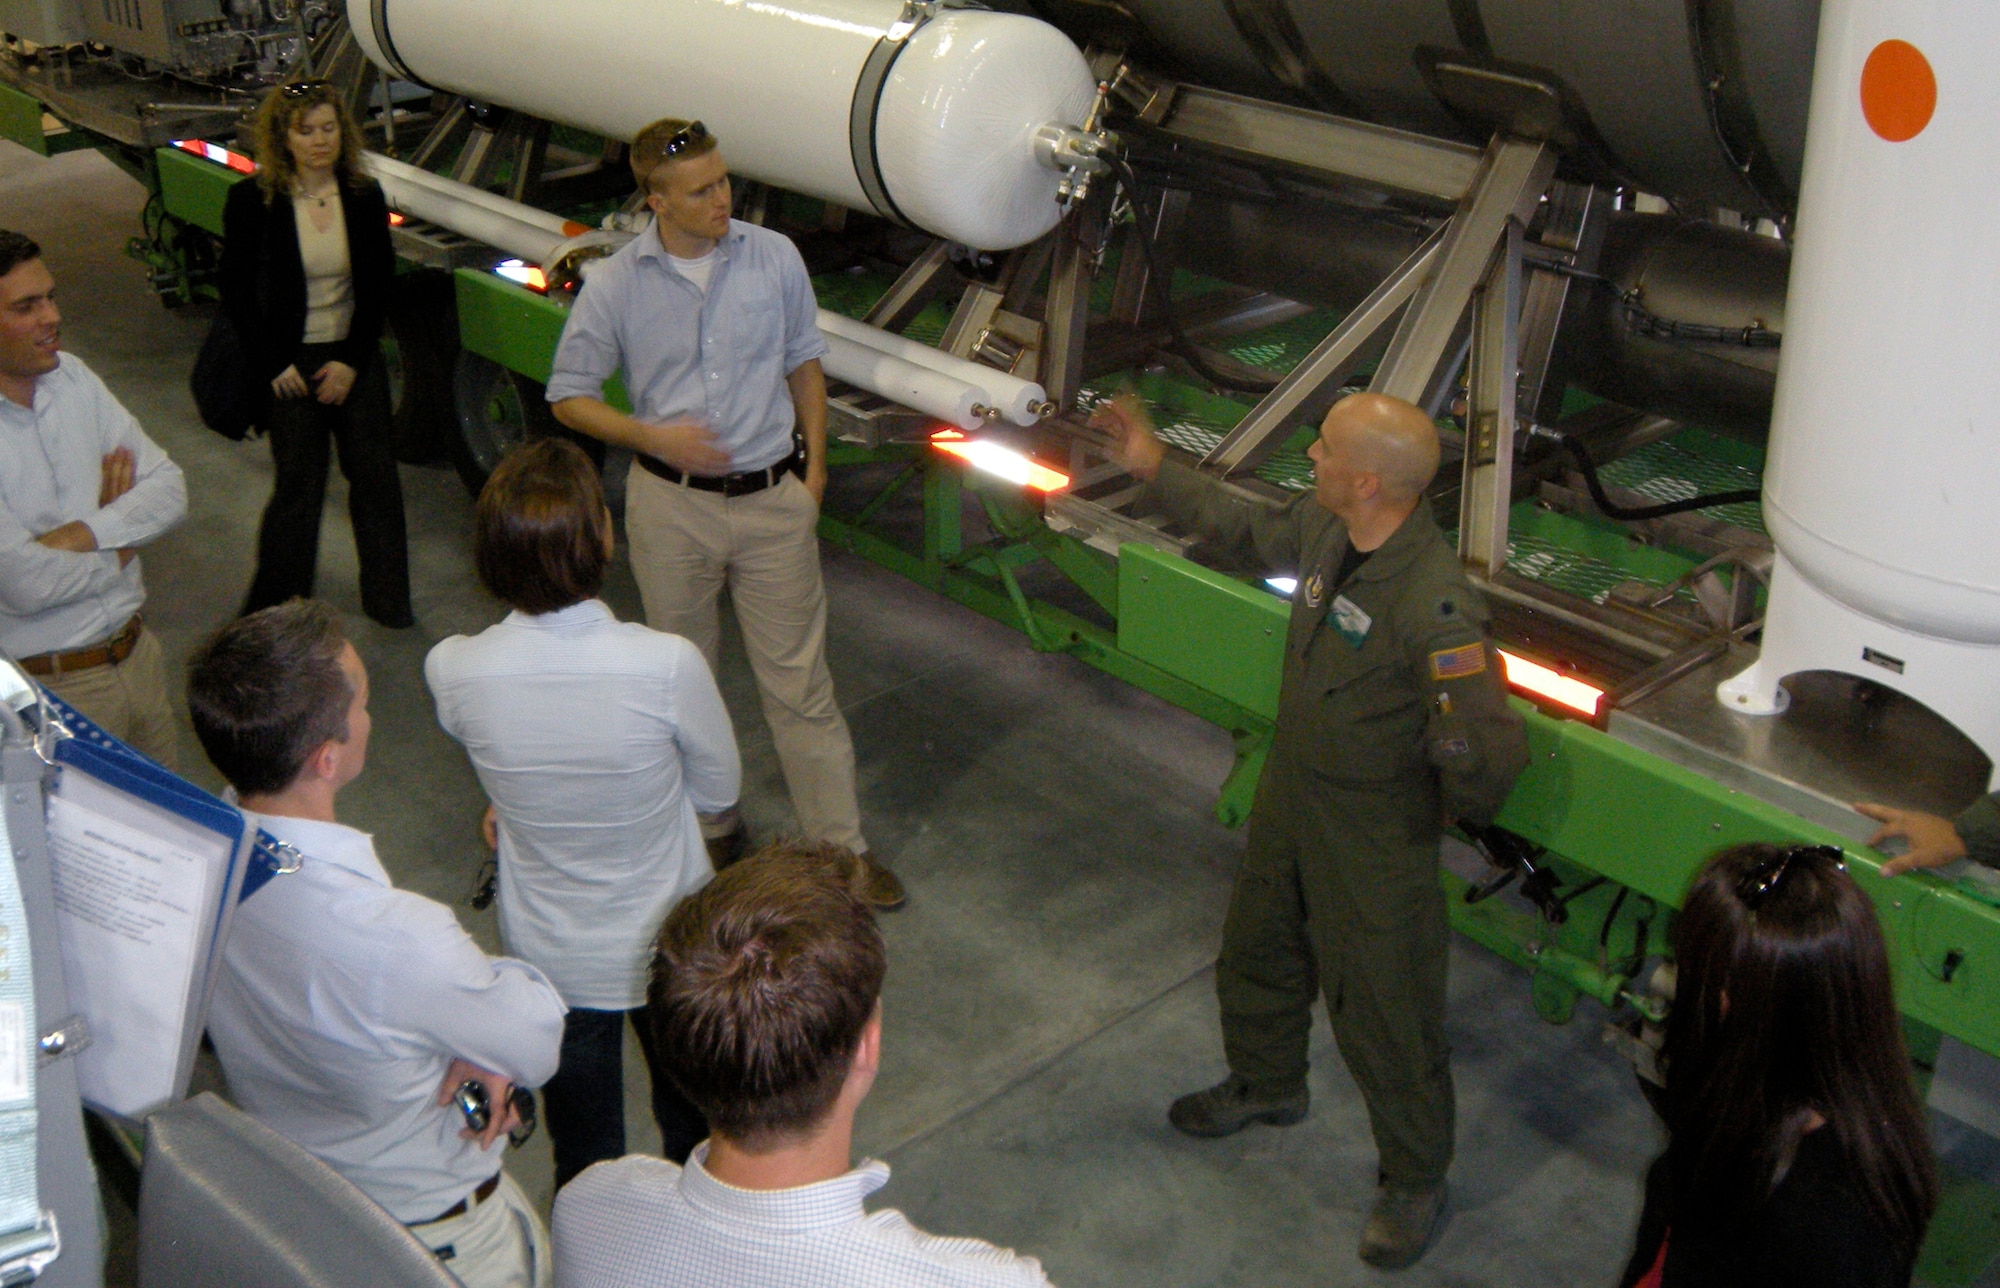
[1457, 663]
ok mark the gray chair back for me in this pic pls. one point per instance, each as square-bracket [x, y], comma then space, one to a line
[225, 1201]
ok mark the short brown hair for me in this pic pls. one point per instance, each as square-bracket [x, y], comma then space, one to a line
[649, 149]
[762, 983]
[539, 529]
[267, 691]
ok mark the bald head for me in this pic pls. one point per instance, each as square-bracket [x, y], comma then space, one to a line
[1388, 438]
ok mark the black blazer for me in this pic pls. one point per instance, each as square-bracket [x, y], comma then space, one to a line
[270, 316]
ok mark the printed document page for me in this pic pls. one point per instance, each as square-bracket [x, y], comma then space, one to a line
[134, 913]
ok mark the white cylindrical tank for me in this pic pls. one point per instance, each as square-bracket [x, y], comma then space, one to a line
[1883, 482]
[838, 99]
[1882, 487]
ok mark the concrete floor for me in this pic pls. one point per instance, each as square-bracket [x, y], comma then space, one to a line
[1050, 986]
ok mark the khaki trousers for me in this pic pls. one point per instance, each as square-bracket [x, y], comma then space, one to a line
[128, 699]
[686, 544]
[500, 1243]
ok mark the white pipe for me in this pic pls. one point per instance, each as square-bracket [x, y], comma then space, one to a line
[454, 210]
[387, 169]
[867, 357]
[928, 391]
[1020, 401]
[837, 99]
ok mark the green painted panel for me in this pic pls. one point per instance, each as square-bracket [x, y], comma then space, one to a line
[515, 327]
[1213, 631]
[1648, 824]
[192, 189]
[21, 120]
[508, 323]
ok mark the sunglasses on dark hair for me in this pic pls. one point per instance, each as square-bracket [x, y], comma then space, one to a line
[1768, 873]
[684, 138]
[299, 89]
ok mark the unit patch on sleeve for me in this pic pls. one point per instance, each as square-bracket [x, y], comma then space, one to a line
[1457, 663]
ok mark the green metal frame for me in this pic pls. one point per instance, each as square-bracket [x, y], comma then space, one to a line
[21, 120]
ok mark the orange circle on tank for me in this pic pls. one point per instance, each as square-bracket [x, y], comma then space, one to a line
[1898, 90]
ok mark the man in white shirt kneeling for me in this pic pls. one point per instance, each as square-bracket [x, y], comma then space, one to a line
[347, 1012]
[766, 1004]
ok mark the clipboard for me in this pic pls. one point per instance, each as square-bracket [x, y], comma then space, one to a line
[149, 870]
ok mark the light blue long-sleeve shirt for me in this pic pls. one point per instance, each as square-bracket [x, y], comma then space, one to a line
[720, 356]
[51, 470]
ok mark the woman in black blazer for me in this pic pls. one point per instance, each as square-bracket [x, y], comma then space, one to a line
[306, 265]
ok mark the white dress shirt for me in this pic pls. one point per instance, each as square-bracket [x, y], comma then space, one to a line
[340, 1004]
[639, 1220]
[51, 470]
[597, 741]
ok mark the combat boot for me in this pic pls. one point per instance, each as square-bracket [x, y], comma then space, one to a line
[1400, 1228]
[1231, 1105]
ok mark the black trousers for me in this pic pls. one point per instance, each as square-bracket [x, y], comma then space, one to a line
[584, 1104]
[301, 430]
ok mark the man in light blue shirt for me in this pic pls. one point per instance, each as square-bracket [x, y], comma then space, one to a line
[711, 322]
[81, 489]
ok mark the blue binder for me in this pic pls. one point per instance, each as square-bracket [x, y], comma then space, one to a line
[105, 758]
[110, 770]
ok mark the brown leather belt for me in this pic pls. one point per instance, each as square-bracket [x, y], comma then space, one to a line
[460, 1208]
[728, 484]
[116, 649]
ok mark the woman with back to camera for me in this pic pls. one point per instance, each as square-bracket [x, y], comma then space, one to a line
[306, 265]
[597, 742]
[1797, 1151]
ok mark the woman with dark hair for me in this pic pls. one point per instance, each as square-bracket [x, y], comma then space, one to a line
[306, 264]
[1797, 1152]
[597, 741]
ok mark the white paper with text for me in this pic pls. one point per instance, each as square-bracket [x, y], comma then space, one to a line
[135, 913]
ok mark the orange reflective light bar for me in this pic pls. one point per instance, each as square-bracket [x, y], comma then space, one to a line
[396, 220]
[1542, 682]
[217, 153]
[1001, 462]
[526, 274]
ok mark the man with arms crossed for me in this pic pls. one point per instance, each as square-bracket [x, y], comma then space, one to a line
[81, 489]
[1392, 718]
[711, 320]
[347, 1011]
[766, 999]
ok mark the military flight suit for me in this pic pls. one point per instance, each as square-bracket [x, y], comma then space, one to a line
[1392, 718]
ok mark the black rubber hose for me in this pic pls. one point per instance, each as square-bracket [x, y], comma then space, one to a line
[1632, 514]
[1180, 345]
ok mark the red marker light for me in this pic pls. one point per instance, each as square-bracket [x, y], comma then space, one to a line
[217, 153]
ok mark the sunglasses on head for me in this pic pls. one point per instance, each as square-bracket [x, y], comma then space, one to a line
[1768, 873]
[299, 89]
[683, 139]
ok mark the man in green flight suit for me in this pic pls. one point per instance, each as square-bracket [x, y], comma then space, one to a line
[1392, 719]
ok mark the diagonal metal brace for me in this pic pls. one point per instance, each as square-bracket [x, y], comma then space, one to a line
[1261, 432]
[1513, 175]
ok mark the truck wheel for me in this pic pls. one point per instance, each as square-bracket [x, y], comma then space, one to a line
[418, 346]
[497, 411]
